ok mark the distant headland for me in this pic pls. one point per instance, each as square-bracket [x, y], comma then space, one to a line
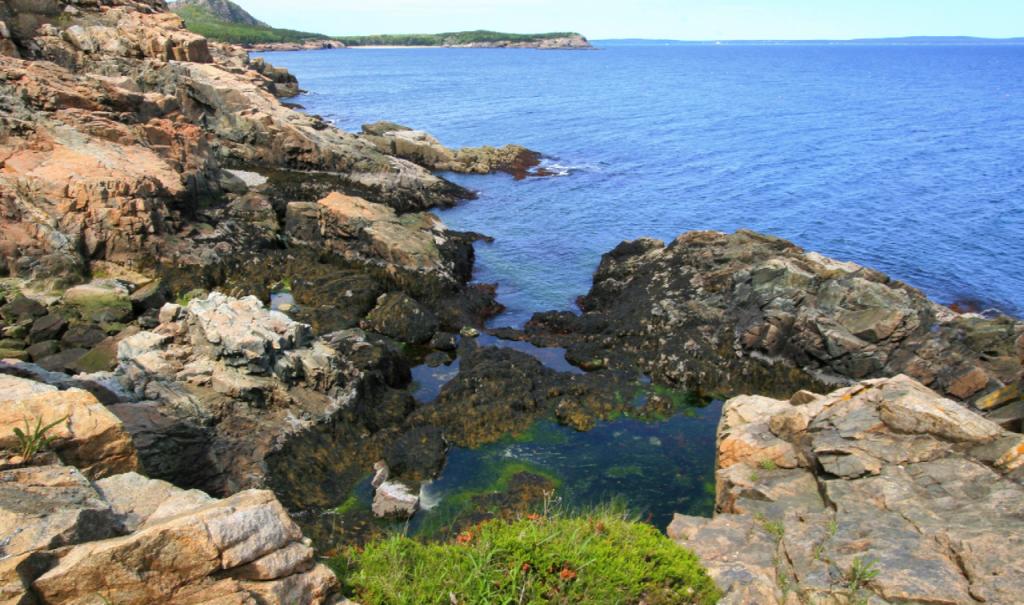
[225, 21]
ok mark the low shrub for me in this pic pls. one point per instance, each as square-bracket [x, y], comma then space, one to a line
[598, 558]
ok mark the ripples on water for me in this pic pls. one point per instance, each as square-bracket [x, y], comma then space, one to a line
[905, 159]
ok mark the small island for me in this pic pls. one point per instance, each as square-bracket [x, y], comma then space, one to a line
[225, 21]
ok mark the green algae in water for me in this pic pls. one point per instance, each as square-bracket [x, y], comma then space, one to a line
[655, 469]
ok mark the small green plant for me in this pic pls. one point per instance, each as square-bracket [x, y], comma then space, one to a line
[767, 465]
[755, 476]
[775, 528]
[819, 548]
[862, 572]
[32, 441]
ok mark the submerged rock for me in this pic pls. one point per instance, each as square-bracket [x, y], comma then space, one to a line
[746, 311]
[883, 492]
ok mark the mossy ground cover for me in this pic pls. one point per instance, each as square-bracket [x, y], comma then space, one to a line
[600, 557]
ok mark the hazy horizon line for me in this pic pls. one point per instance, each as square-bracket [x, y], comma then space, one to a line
[857, 39]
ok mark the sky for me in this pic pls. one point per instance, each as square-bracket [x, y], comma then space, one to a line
[669, 19]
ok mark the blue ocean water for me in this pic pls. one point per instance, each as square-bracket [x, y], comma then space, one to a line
[906, 159]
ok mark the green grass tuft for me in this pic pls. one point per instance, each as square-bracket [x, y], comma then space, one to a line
[597, 558]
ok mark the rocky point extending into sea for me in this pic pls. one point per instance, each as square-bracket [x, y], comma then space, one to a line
[157, 193]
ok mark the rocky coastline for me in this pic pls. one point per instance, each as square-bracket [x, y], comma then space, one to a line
[159, 202]
[574, 42]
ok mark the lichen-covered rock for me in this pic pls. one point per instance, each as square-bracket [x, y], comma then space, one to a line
[47, 507]
[134, 540]
[181, 554]
[896, 495]
[226, 383]
[750, 312]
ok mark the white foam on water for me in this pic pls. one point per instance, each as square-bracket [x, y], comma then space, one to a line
[429, 497]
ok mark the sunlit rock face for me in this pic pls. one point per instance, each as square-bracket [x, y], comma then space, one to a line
[883, 491]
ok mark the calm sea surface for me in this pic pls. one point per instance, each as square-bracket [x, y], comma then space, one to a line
[906, 159]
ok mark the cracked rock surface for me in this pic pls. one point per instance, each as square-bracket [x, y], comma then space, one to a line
[882, 492]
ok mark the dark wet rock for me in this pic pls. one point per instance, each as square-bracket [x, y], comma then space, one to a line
[22, 308]
[402, 318]
[18, 330]
[169, 446]
[444, 341]
[103, 356]
[62, 362]
[746, 311]
[417, 454]
[83, 336]
[361, 230]
[150, 297]
[884, 475]
[437, 359]
[572, 415]
[43, 349]
[501, 390]
[384, 408]
[48, 327]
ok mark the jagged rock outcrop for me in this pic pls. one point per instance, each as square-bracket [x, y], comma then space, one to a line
[423, 149]
[882, 492]
[746, 311]
[116, 126]
[224, 383]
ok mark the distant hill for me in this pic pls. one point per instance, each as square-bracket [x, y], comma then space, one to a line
[225, 21]
[906, 41]
[224, 10]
